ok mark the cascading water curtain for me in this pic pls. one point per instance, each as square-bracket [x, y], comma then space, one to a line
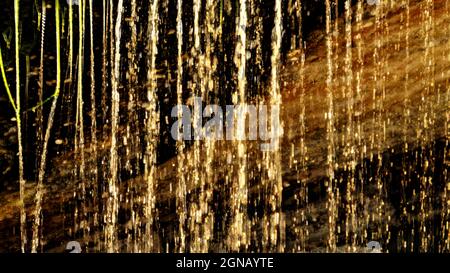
[228, 126]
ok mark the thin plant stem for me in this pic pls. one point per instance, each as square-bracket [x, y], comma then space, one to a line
[5, 82]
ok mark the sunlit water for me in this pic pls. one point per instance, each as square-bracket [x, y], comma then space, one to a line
[135, 189]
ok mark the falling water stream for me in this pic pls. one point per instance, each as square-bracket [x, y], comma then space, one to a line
[360, 149]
